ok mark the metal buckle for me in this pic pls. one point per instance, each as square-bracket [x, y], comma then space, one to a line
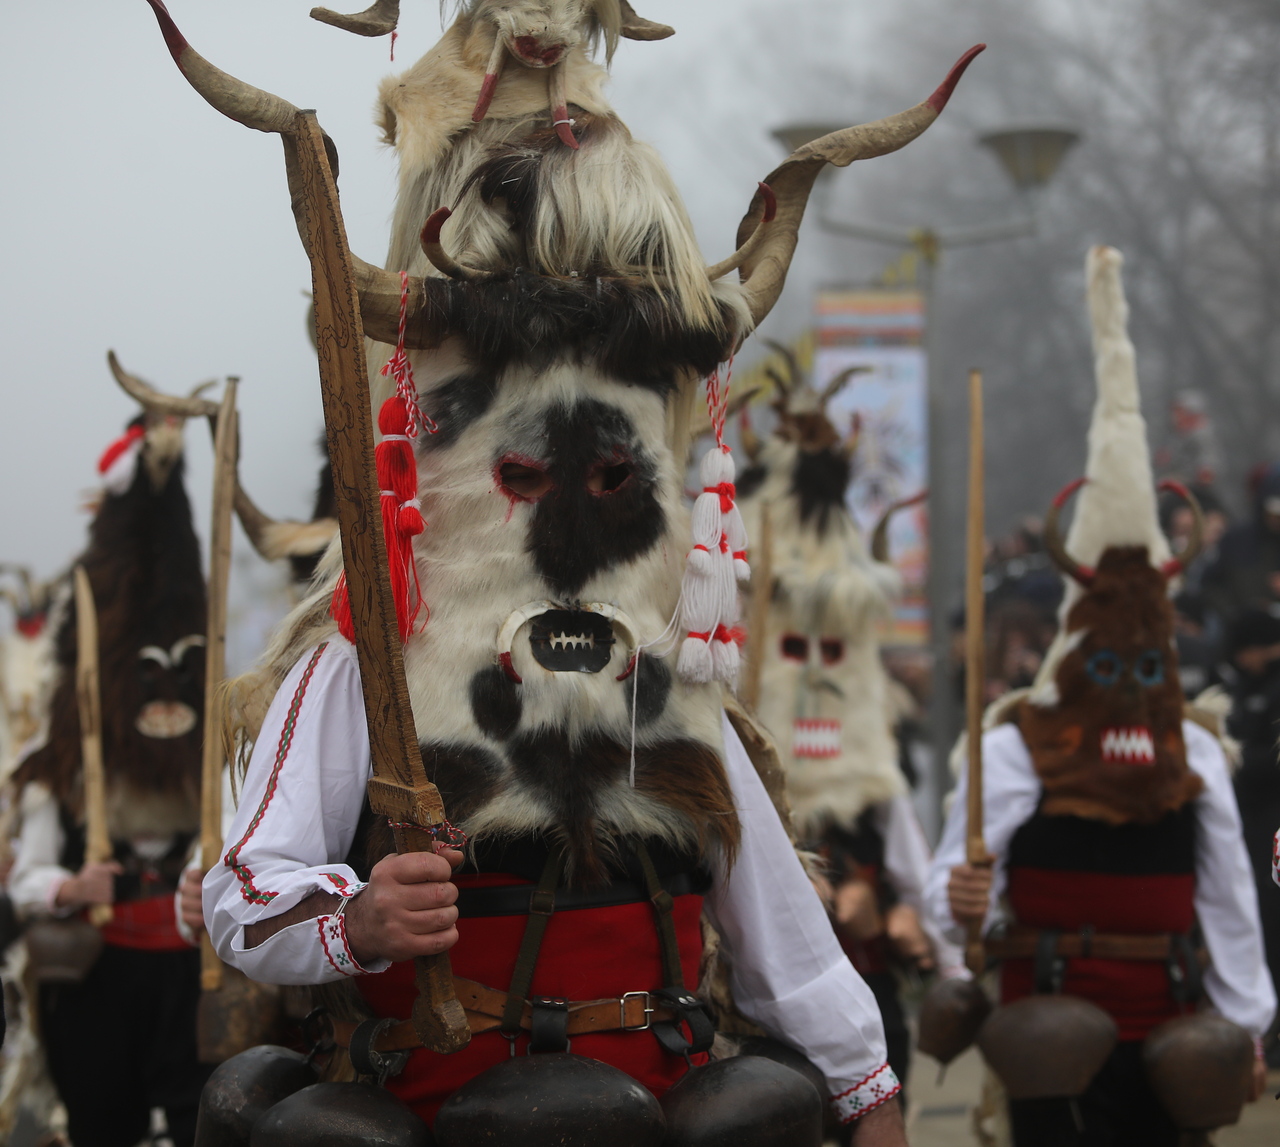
[622, 1011]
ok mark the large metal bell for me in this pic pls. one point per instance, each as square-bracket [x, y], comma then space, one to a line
[62, 951]
[551, 1100]
[782, 1053]
[340, 1115]
[244, 1088]
[746, 1101]
[1201, 1069]
[951, 1014]
[1047, 1047]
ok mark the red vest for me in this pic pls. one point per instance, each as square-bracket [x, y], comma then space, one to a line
[587, 954]
[149, 925]
[1068, 873]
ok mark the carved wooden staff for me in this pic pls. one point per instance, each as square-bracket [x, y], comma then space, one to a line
[399, 790]
[975, 658]
[215, 658]
[97, 844]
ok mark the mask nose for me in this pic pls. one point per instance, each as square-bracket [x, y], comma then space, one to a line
[532, 50]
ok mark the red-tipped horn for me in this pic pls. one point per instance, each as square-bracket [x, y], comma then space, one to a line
[1081, 574]
[766, 271]
[1195, 543]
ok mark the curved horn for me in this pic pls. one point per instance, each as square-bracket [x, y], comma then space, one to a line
[638, 28]
[750, 439]
[1175, 566]
[1083, 575]
[151, 399]
[748, 250]
[379, 19]
[441, 260]
[793, 366]
[880, 536]
[766, 271]
[240, 101]
[833, 387]
[255, 522]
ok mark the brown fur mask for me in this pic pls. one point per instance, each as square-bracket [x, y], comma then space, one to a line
[1110, 748]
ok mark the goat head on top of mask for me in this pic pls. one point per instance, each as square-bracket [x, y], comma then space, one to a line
[143, 562]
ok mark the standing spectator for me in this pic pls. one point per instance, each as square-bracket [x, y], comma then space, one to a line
[1246, 574]
[1253, 656]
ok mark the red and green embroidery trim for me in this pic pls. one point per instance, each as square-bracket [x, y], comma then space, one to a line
[247, 888]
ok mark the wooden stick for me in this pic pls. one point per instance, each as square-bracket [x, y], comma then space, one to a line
[975, 657]
[399, 789]
[97, 844]
[761, 591]
[215, 658]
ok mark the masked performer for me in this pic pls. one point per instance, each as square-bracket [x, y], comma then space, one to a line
[122, 1040]
[825, 696]
[1111, 818]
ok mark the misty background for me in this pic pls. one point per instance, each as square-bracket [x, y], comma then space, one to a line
[138, 218]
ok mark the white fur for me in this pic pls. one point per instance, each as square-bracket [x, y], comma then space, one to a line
[828, 587]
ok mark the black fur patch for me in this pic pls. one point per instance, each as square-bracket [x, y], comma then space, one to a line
[466, 775]
[143, 561]
[750, 480]
[652, 688]
[630, 331]
[495, 703]
[575, 533]
[455, 405]
[820, 481]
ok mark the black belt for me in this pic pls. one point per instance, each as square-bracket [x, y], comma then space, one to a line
[513, 899]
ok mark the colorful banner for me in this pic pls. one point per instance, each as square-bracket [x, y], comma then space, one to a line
[883, 331]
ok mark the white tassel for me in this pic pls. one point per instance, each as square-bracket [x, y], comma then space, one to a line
[713, 568]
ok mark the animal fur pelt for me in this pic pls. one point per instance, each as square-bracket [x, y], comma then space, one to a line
[823, 690]
[143, 561]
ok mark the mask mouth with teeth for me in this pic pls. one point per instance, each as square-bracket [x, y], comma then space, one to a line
[568, 639]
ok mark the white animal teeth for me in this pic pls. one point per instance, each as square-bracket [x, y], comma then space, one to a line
[1131, 745]
[815, 737]
[572, 641]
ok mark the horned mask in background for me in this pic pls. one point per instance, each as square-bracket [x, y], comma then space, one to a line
[553, 487]
[823, 691]
[143, 561]
[1104, 719]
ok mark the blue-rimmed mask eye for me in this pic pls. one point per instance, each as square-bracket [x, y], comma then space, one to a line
[1149, 668]
[1104, 667]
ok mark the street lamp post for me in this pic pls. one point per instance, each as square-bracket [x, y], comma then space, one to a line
[1030, 157]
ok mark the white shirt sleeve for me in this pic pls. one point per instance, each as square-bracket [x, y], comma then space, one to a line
[299, 807]
[787, 969]
[1237, 981]
[1010, 794]
[36, 875]
[906, 867]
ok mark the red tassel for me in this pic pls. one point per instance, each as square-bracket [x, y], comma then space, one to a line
[401, 520]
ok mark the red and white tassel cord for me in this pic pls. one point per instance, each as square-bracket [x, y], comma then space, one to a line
[717, 562]
[399, 422]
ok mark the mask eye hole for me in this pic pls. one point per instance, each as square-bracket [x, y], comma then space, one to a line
[795, 647]
[606, 477]
[1149, 668]
[832, 650]
[523, 480]
[1104, 667]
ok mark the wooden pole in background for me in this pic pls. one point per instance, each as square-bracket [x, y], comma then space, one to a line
[975, 656]
[97, 844]
[215, 658]
[758, 617]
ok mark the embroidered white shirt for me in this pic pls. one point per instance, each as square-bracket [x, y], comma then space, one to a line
[1237, 981]
[299, 806]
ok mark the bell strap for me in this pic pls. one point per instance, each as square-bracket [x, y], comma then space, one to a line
[635, 1011]
[542, 903]
[1024, 943]
[689, 1010]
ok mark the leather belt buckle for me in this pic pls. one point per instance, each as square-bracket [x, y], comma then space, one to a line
[622, 1011]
